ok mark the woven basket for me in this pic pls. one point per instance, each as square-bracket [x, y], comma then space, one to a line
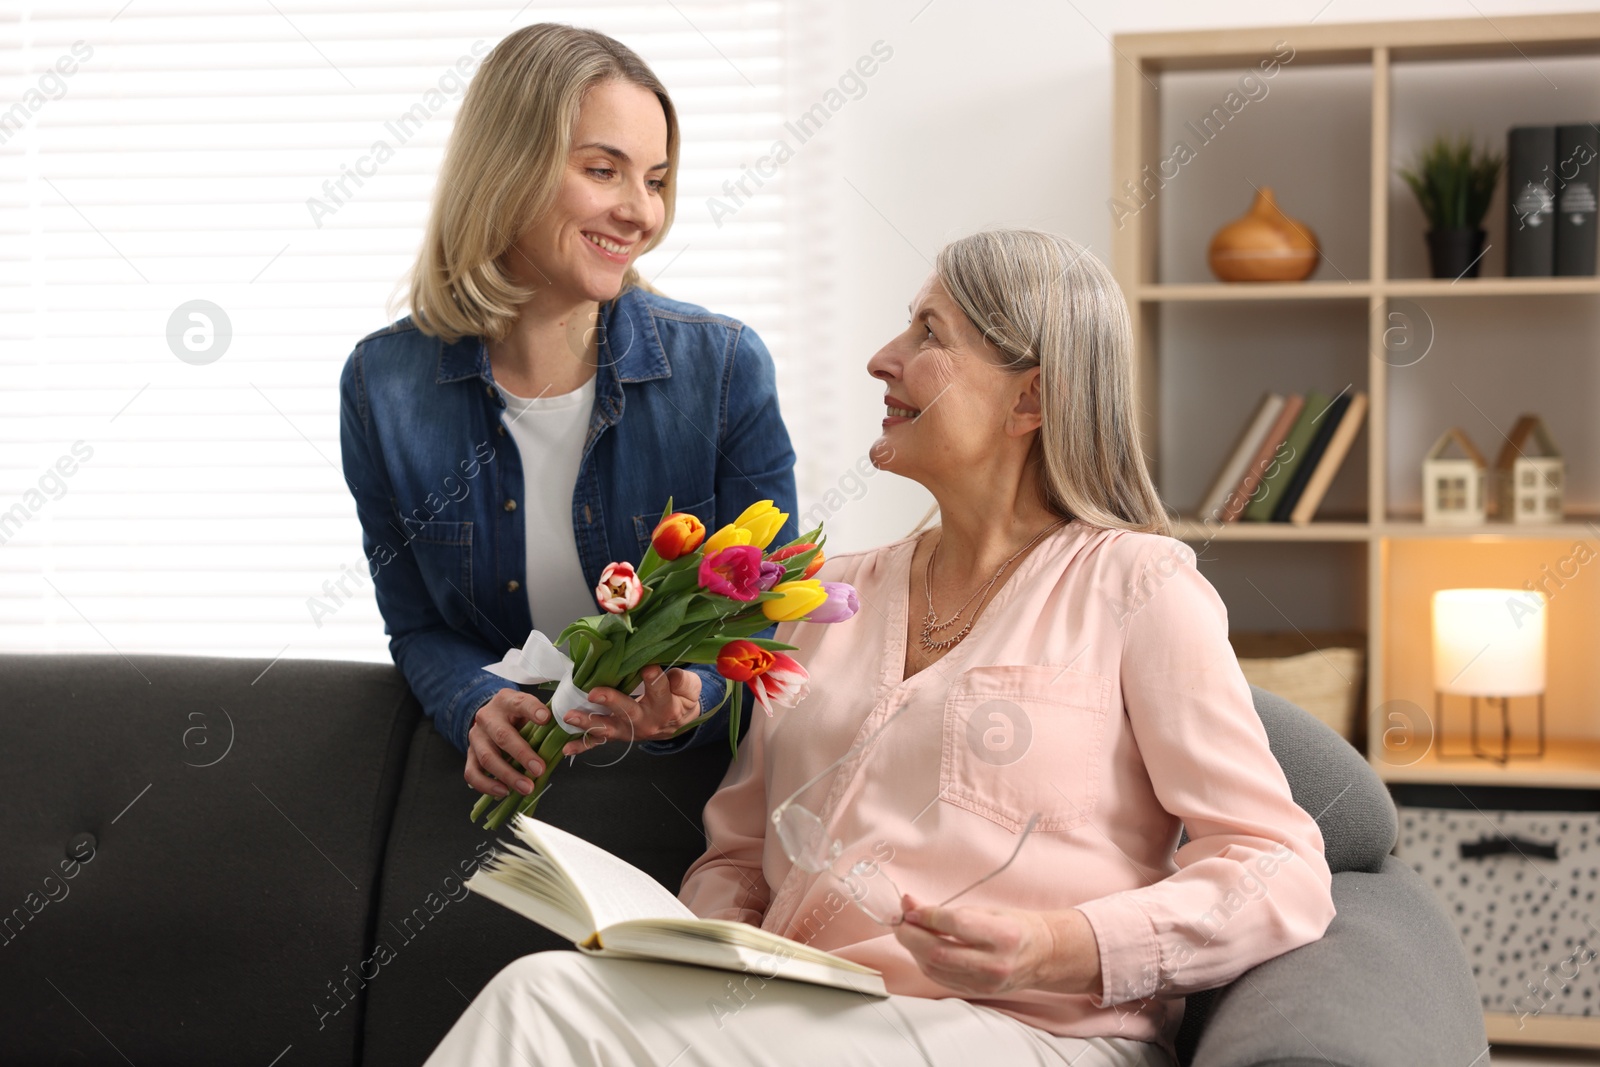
[1327, 683]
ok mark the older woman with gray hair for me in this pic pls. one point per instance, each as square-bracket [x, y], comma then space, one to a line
[1037, 696]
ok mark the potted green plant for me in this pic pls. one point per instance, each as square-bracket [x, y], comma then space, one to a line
[1453, 181]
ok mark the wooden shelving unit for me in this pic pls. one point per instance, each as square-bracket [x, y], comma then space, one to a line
[1403, 559]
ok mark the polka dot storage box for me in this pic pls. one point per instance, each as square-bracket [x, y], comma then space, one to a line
[1518, 873]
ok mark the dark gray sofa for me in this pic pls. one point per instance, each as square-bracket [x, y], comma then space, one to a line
[208, 864]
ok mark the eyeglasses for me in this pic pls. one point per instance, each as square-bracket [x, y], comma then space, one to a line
[806, 842]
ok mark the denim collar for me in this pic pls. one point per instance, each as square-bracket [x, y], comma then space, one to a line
[630, 351]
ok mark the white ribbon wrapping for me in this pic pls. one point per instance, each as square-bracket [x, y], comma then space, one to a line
[540, 661]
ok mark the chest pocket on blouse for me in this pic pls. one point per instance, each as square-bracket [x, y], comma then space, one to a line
[1024, 739]
[443, 551]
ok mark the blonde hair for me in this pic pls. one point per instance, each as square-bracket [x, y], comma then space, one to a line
[1044, 302]
[503, 165]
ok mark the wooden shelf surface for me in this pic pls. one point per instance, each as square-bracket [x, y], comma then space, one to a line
[1361, 289]
[1544, 1029]
[1423, 287]
[1196, 530]
[1200, 292]
[1567, 763]
[1574, 526]
[1508, 37]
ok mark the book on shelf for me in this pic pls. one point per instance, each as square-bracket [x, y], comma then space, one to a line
[1261, 464]
[1577, 165]
[1221, 496]
[1530, 201]
[607, 907]
[1289, 456]
[1325, 423]
[1333, 454]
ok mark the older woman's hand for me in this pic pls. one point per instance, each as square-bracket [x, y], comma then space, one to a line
[985, 951]
[670, 701]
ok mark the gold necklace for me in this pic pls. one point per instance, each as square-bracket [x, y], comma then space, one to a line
[931, 624]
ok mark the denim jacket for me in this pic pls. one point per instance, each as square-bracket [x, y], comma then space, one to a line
[436, 480]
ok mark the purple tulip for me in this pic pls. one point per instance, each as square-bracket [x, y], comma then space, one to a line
[840, 605]
[771, 575]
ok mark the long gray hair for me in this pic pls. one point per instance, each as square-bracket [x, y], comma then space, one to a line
[1042, 301]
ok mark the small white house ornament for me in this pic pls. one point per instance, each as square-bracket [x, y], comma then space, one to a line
[1530, 475]
[1454, 488]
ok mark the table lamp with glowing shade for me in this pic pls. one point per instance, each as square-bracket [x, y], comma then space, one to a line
[1488, 643]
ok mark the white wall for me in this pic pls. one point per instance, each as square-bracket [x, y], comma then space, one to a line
[988, 113]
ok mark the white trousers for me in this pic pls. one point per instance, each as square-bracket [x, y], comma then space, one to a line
[567, 1008]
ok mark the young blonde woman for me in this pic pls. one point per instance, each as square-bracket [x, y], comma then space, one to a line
[527, 422]
[1044, 660]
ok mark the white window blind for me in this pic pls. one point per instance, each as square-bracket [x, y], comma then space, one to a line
[159, 152]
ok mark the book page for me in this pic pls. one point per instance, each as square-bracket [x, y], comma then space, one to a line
[738, 933]
[639, 941]
[614, 890]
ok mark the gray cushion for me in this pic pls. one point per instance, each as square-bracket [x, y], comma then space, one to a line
[220, 899]
[1388, 984]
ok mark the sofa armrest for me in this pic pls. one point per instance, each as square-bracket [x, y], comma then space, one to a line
[1388, 983]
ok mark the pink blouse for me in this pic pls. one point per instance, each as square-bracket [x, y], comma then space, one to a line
[1098, 689]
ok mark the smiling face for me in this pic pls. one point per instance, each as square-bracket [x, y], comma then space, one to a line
[609, 202]
[952, 408]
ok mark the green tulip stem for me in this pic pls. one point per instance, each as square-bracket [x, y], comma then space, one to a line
[536, 735]
[550, 753]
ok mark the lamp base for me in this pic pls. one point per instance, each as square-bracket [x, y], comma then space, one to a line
[1505, 753]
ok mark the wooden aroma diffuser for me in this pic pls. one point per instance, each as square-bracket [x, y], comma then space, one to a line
[1264, 245]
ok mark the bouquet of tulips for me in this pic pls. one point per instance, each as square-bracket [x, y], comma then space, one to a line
[692, 599]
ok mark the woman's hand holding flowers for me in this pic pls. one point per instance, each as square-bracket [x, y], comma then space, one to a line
[670, 701]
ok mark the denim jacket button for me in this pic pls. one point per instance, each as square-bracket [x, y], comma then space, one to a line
[513, 585]
[510, 505]
[500, 429]
[488, 390]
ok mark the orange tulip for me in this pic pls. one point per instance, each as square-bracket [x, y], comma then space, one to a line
[677, 535]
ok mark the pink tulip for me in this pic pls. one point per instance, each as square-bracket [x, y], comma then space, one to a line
[733, 572]
[619, 588]
[840, 605]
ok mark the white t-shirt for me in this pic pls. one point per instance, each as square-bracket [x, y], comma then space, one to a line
[549, 432]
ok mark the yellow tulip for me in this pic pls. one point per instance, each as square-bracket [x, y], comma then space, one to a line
[730, 535]
[763, 520]
[759, 508]
[800, 598]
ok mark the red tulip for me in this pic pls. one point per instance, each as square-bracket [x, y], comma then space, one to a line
[774, 677]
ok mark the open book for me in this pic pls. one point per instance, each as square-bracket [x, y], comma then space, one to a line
[608, 907]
